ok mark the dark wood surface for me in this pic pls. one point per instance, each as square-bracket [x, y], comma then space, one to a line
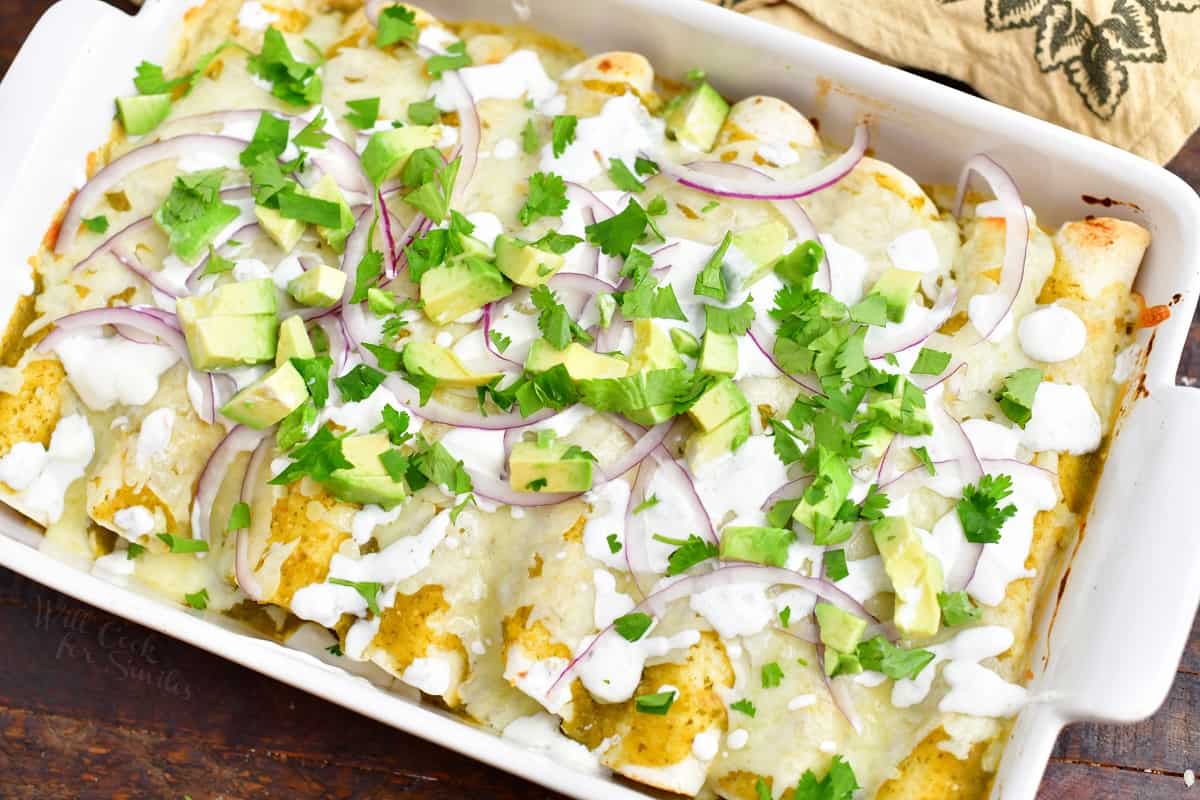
[92, 706]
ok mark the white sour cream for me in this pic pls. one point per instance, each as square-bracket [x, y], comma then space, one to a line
[621, 130]
[983, 308]
[1052, 334]
[155, 436]
[914, 251]
[1063, 419]
[91, 362]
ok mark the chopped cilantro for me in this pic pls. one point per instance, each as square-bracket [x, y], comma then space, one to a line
[922, 455]
[547, 198]
[710, 282]
[294, 427]
[197, 600]
[746, 706]
[658, 703]
[633, 626]
[135, 550]
[980, 511]
[1017, 392]
[364, 113]
[839, 783]
[315, 372]
[657, 206]
[359, 383]
[368, 590]
[97, 224]
[696, 74]
[334, 650]
[880, 655]
[193, 213]
[217, 264]
[270, 138]
[648, 300]
[150, 79]
[930, 362]
[292, 81]
[396, 24]
[772, 675]
[734, 320]
[688, 553]
[239, 517]
[957, 608]
[177, 544]
[395, 463]
[432, 197]
[313, 210]
[761, 790]
[835, 564]
[614, 546]
[649, 502]
[575, 451]
[555, 242]
[644, 166]
[562, 133]
[500, 341]
[709, 206]
[318, 458]
[530, 141]
[622, 178]
[423, 113]
[554, 321]
[535, 485]
[369, 268]
[439, 467]
[313, 136]
[675, 386]
[455, 57]
[617, 235]
[396, 424]
[785, 616]
[871, 310]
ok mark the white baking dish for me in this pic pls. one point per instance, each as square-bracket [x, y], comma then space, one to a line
[1134, 584]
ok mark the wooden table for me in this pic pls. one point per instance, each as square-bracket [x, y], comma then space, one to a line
[92, 706]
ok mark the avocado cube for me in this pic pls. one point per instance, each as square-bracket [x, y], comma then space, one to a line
[525, 264]
[719, 402]
[685, 343]
[387, 152]
[269, 399]
[327, 189]
[916, 576]
[283, 231]
[760, 246]
[459, 288]
[840, 629]
[142, 113]
[244, 298]
[760, 545]
[443, 365]
[834, 482]
[838, 663]
[652, 348]
[320, 286]
[367, 481]
[697, 119]
[534, 467]
[293, 341]
[475, 247]
[707, 446]
[222, 342]
[719, 354]
[896, 287]
[580, 362]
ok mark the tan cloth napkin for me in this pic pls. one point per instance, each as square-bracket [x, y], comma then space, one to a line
[1124, 71]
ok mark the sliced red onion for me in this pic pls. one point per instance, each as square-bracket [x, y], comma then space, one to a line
[373, 8]
[104, 180]
[887, 465]
[243, 570]
[765, 342]
[130, 231]
[637, 559]
[608, 340]
[240, 439]
[414, 230]
[916, 478]
[585, 286]
[805, 630]
[434, 411]
[470, 130]
[927, 382]
[657, 603]
[961, 449]
[896, 338]
[644, 443]
[790, 210]
[340, 347]
[137, 319]
[246, 230]
[1016, 231]
[487, 337]
[764, 188]
[789, 491]
[838, 691]
[356, 248]
[385, 216]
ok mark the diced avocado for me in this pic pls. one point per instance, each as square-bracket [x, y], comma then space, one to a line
[719, 354]
[320, 286]
[243, 298]
[915, 574]
[269, 399]
[475, 247]
[461, 287]
[293, 341]
[652, 348]
[221, 342]
[283, 231]
[387, 152]
[142, 113]
[367, 481]
[896, 287]
[719, 402]
[830, 489]
[760, 545]
[534, 467]
[762, 246]
[442, 364]
[839, 663]
[903, 410]
[707, 446]
[696, 120]
[874, 442]
[685, 342]
[524, 264]
[840, 629]
[580, 362]
[327, 189]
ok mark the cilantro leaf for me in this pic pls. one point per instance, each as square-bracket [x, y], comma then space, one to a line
[294, 427]
[930, 362]
[438, 466]
[957, 608]
[193, 213]
[239, 517]
[622, 178]
[432, 198]
[735, 321]
[710, 282]
[455, 57]
[369, 590]
[772, 675]
[746, 706]
[688, 553]
[547, 197]
[649, 502]
[871, 310]
[648, 300]
[614, 546]
[364, 113]
[658, 703]
[555, 242]
[644, 166]
[359, 383]
[197, 600]
[318, 458]
[370, 267]
[313, 210]
[292, 81]
[270, 138]
[313, 136]
[675, 386]
[396, 464]
[562, 133]
[396, 424]
[880, 655]
[134, 550]
[177, 544]
[617, 235]
[315, 372]
[530, 141]
[980, 512]
[922, 455]
[98, 224]
[838, 784]
[835, 564]
[1017, 393]
[554, 321]
[423, 113]
[632, 626]
[396, 24]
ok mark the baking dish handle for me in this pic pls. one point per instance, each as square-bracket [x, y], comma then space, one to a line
[1132, 592]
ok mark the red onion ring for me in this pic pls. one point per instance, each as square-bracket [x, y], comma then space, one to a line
[637, 560]
[1016, 229]
[240, 439]
[761, 188]
[608, 340]
[244, 573]
[789, 491]
[645, 441]
[802, 226]
[487, 337]
[177, 147]
[138, 319]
